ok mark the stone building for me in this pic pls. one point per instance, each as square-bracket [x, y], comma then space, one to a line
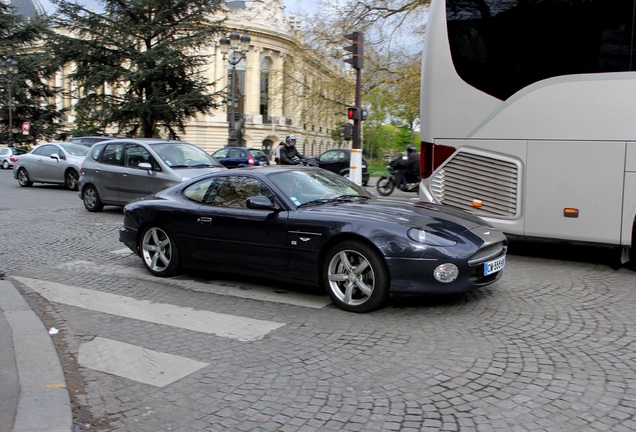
[280, 88]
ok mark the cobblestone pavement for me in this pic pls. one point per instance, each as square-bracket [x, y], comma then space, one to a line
[550, 347]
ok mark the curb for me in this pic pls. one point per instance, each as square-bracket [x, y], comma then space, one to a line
[43, 403]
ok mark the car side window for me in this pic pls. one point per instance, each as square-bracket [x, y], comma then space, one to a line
[227, 191]
[329, 157]
[136, 154]
[221, 153]
[46, 150]
[113, 154]
[235, 153]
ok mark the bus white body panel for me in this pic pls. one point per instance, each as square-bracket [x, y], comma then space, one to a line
[566, 142]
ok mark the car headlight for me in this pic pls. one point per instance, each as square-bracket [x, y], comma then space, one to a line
[429, 238]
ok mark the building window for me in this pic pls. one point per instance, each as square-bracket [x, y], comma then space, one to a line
[266, 68]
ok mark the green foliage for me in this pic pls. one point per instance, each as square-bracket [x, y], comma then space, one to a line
[31, 95]
[139, 64]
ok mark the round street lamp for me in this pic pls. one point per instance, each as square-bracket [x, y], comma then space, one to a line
[9, 68]
[236, 46]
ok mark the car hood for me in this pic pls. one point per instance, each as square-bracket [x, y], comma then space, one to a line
[434, 216]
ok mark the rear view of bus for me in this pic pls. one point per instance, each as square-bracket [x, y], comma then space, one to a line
[528, 115]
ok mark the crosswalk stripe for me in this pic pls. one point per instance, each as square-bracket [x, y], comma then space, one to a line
[135, 363]
[224, 325]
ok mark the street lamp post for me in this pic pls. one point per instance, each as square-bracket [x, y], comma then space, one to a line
[8, 68]
[237, 47]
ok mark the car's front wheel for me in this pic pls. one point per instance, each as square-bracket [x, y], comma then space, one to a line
[71, 179]
[159, 252]
[356, 277]
[23, 178]
[91, 200]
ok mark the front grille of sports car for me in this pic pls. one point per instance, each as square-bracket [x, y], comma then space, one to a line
[486, 253]
[470, 178]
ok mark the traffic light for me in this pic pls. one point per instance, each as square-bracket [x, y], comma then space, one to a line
[347, 131]
[352, 113]
[357, 49]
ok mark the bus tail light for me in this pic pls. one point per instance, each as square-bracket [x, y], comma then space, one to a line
[432, 156]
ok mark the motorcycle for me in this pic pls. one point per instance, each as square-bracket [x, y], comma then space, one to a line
[387, 183]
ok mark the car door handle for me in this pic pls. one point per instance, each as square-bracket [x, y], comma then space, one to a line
[204, 220]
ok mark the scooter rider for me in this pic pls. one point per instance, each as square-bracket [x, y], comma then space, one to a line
[289, 154]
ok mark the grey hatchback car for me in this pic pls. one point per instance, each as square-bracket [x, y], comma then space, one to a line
[116, 172]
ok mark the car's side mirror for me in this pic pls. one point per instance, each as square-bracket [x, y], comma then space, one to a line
[55, 156]
[260, 202]
[146, 166]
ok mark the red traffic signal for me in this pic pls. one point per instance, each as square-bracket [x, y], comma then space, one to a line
[357, 49]
[352, 113]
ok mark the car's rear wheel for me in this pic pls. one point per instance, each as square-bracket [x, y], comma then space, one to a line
[385, 186]
[91, 200]
[5, 164]
[159, 252]
[356, 277]
[71, 179]
[23, 178]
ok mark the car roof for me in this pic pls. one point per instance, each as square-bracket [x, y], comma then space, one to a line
[147, 141]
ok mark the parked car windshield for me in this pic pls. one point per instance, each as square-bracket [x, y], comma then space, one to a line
[184, 155]
[316, 186]
[75, 149]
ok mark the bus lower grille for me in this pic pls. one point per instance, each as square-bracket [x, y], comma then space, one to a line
[470, 177]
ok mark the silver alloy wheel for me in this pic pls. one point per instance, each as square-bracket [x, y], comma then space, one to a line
[156, 250]
[351, 277]
[23, 178]
[5, 164]
[71, 179]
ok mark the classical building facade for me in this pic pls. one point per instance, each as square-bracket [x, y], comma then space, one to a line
[275, 88]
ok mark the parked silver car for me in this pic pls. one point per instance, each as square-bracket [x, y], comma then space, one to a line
[57, 163]
[116, 172]
[8, 155]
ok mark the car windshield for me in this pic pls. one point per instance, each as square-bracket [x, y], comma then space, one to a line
[184, 155]
[75, 149]
[317, 186]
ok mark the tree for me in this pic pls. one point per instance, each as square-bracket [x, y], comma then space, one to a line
[31, 95]
[392, 65]
[138, 66]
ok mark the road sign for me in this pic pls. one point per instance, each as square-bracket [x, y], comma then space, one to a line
[25, 128]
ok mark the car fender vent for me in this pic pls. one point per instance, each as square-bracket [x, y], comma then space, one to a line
[469, 178]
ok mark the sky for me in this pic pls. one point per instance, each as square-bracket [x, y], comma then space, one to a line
[291, 6]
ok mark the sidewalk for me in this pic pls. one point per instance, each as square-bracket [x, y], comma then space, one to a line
[33, 393]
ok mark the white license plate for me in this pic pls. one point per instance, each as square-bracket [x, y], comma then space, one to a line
[494, 266]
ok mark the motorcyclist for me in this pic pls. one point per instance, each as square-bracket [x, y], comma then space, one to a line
[289, 154]
[408, 170]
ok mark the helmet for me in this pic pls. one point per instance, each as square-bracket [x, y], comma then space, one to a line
[410, 149]
[290, 138]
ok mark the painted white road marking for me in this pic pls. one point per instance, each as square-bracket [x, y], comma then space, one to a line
[228, 288]
[230, 326]
[136, 363]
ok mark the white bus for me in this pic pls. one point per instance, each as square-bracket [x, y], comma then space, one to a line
[528, 116]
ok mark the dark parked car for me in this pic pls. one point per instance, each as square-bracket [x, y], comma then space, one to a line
[239, 157]
[116, 172]
[57, 163]
[9, 155]
[307, 225]
[338, 161]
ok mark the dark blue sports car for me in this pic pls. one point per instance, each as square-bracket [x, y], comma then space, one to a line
[311, 226]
